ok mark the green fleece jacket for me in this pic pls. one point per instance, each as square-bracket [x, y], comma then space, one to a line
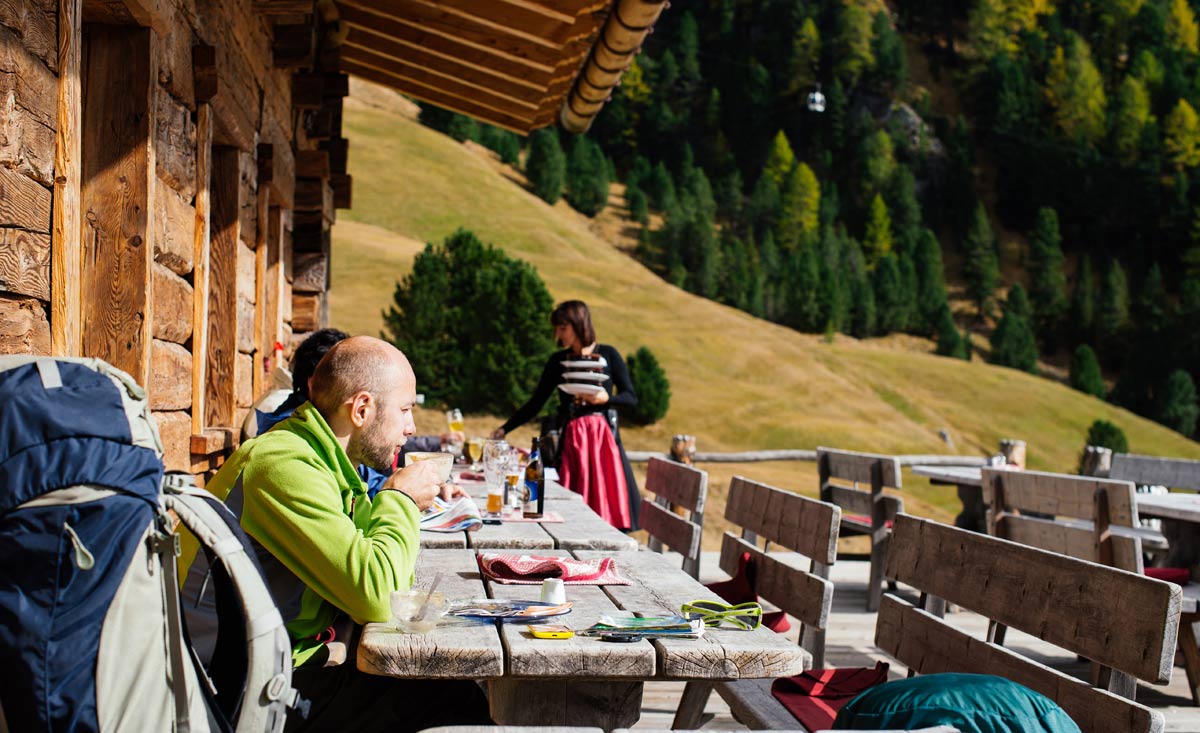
[305, 504]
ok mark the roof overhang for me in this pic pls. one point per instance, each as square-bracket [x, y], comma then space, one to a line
[516, 64]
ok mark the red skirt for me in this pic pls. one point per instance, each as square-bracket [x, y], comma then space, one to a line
[591, 466]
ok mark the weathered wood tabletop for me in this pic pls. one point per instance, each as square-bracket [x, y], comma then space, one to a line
[582, 680]
[1180, 506]
[969, 481]
[581, 528]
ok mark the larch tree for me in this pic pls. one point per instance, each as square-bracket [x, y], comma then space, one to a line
[1075, 90]
[1182, 31]
[780, 160]
[877, 235]
[1182, 136]
[800, 202]
[1130, 118]
[853, 43]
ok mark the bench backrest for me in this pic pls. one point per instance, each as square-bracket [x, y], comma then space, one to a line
[1101, 503]
[800, 524]
[1175, 473]
[1123, 621]
[842, 473]
[675, 486]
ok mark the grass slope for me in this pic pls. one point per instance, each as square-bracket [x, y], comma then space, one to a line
[738, 383]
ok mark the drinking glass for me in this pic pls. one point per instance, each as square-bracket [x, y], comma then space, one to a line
[495, 462]
[454, 418]
[474, 450]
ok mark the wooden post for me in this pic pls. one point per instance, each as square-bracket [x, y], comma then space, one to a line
[220, 395]
[683, 448]
[204, 135]
[1097, 461]
[67, 242]
[117, 193]
[260, 288]
[1013, 452]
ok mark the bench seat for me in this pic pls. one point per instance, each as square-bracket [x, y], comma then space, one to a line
[752, 703]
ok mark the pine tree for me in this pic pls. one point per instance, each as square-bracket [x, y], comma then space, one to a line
[1075, 90]
[651, 386]
[805, 57]
[891, 301]
[1112, 310]
[1013, 343]
[981, 268]
[1047, 283]
[800, 201]
[1085, 372]
[901, 199]
[931, 282]
[988, 30]
[1130, 120]
[1182, 136]
[639, 207]
[780, 160]
[1150, 305]
[762, 211]
[1175, 403]
[950, 341]
[660, 188]
[1182, 31]
[546, 166]
[891, 65]
[803, 278]
[587, 177]
[877, 162]
[1083, 300]
[877, 237]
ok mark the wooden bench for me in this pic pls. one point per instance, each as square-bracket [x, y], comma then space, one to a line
[1183, 541]
[1123, 621]
[675, 487]
[796, 523]
[864, 511]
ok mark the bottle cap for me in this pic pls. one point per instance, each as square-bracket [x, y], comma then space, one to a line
[553, 591]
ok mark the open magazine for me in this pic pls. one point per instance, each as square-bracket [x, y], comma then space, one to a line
[455, 515]
[647, 627]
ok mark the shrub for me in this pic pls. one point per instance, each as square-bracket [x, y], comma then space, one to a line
[950, 341]
[1013, 342]
[459, 127]
[1104, 434]
[1085, 372]
[546, 166]
[473, 322]
[650, 383]
[587, 177]
[503, 143]
[1175, 403]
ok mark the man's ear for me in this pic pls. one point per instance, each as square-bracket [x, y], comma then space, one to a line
[360, 405]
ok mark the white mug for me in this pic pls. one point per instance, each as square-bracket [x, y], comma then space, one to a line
[553, 591]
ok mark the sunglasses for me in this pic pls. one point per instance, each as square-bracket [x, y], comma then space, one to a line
[746, 616]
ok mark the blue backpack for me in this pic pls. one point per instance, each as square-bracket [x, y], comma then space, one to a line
[91, 633]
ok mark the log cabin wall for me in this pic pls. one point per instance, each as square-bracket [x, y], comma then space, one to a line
[158, 159]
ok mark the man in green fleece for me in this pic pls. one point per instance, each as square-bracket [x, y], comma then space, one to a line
[330, 554]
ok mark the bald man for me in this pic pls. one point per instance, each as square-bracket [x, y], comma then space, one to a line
[328, 551]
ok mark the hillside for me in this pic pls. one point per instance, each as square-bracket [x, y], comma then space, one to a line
[737, 382]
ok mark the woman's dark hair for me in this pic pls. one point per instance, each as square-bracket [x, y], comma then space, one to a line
[308, 355]
[574, 313]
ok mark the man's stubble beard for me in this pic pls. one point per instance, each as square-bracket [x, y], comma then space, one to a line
[371, 448]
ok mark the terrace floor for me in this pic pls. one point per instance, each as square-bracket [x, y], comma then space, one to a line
[850, 643]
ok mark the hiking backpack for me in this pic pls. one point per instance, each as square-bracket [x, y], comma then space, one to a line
[91, 635]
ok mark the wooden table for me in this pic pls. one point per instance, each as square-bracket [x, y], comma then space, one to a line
[580, 681]
[1180, 515]
[969, 480]
[581, 528]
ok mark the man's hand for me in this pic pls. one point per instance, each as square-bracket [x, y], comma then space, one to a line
[451, 490]
[597, 398]
[419, 481]
[454, 436]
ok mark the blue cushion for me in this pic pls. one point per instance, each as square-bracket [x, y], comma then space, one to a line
[973, 703]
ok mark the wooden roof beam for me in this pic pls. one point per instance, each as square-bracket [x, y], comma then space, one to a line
[518, 124]
[495, 18]
[622, 36]
[427, 58]
[451, 82]
[499, 40]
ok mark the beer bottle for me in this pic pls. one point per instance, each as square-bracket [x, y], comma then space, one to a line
[535, 484]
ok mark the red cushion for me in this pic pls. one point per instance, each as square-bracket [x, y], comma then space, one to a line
[740, 589]
[815, 697]
[1179, 576]
[866, 519]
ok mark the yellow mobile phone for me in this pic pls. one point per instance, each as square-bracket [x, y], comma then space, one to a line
[551, 631]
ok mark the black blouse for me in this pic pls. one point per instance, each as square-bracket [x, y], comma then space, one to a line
[552, 376]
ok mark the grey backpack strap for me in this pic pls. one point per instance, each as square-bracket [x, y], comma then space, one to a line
[167, 547]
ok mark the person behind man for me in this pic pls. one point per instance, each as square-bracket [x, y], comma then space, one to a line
[331, 553]
[304, 363]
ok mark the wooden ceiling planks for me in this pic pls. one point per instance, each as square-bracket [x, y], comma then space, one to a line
[507, 62]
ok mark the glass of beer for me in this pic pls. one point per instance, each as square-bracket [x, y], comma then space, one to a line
[474, 451]
[454, 419]
[495, 501]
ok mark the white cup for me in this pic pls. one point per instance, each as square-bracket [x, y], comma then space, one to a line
[553, 591]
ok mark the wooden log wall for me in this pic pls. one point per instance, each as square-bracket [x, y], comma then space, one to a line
[146, 200]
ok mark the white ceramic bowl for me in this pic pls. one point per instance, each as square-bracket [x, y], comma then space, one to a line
[443, 461]
[407, 610]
